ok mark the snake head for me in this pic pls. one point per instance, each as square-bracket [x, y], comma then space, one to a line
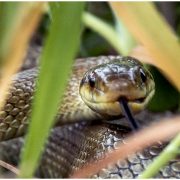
[103, 86]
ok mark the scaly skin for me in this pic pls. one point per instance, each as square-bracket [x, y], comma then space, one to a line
[14, 115]
[69, 146]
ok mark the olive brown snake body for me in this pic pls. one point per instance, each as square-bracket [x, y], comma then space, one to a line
[72, 145]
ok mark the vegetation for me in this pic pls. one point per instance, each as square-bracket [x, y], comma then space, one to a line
[71, 29]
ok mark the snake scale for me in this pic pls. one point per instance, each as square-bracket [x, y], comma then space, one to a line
[76, 139]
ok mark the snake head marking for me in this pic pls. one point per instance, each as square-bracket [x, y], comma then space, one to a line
[102, 86]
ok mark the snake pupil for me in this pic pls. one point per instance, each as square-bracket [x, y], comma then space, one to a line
[143, 76]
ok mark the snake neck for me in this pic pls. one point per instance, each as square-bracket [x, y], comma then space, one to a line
[73, 108]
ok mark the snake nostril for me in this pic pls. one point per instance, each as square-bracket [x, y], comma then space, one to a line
[92, 82]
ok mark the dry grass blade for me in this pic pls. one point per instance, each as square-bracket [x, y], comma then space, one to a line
[151, 30]
[9, 167]
[140, 52]
[137, 142]
[18, 46]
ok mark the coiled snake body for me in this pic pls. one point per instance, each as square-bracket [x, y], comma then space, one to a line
[70, 146]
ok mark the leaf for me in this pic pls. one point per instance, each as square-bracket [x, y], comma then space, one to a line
[152, 31]
[117, 37]
[58, 53]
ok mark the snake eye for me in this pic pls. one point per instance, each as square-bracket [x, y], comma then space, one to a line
[143, 76]
[92, 82]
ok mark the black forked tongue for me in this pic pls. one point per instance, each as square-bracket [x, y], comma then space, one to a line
[127, 113]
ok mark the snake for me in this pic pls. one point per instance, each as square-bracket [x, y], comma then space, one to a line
[83, 131]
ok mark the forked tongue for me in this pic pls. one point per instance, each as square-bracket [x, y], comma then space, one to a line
[128, 114]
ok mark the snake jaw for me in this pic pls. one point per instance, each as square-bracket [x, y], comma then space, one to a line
[112, 108]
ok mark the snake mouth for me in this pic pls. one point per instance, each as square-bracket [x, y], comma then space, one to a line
[143, 100]
[112, 108]
[140, 100]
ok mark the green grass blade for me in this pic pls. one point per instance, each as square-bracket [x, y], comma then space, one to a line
[119, 37]
[8, 15]
[58, 53]
[124, 35]
[105, 30]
